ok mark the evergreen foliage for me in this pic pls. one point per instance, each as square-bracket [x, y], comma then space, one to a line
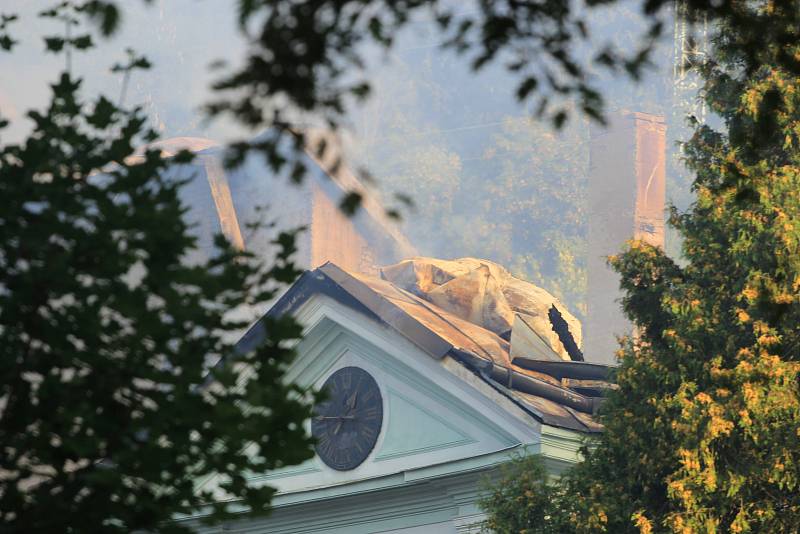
[120, 389]
[107, 336]
[703, 434]
[525, 500]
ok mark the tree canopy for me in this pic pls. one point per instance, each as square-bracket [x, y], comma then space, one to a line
[306, 60]
[113, 343]
[120, 386]
[702, 435]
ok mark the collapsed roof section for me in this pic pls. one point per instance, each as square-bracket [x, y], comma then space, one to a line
[557, 392]
[486, 294]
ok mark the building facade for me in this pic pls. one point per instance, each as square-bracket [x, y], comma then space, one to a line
[423, 407]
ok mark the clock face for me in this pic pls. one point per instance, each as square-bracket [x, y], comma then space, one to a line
[346, 425]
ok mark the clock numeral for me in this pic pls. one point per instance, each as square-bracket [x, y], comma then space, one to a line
[345, 458]
[370, 413]
[368, 432]
[321, 408]
[369, 395]
[323, 447]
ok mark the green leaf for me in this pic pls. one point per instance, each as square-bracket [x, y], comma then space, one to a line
[350, 203]
[7, 43]
[54, 44]
[526, 87]
[83, 42]
[104, 13]
[559, 119]
[103, 114]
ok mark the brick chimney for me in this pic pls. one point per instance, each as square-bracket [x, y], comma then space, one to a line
[626, 200]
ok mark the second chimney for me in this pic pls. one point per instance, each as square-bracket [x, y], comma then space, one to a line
[626, 200]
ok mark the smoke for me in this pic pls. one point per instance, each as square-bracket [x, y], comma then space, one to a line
[181, 38]
[487, 180]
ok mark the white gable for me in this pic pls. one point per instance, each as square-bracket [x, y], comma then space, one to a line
[431, 414]
[443, 430]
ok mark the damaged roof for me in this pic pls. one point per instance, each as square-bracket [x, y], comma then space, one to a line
[563, 394]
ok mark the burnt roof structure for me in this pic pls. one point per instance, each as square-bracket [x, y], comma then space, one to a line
[556, 392]
[228, 200]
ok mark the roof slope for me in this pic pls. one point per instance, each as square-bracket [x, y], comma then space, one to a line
[331, 161]
[219, 209]
[540, 388]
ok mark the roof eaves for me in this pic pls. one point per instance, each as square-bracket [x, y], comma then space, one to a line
[309, 284]
[388, 312]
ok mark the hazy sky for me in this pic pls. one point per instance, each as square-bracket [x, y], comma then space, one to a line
[432, 125]
[180, 37]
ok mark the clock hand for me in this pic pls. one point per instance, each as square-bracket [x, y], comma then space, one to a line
[351, 402]
[337, 417]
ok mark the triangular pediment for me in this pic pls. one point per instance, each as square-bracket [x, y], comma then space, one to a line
[432, 415]
[444, 421]
[429, 431]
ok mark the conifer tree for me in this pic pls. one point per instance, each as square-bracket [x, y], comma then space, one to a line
[703, 435]
[122, 393]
